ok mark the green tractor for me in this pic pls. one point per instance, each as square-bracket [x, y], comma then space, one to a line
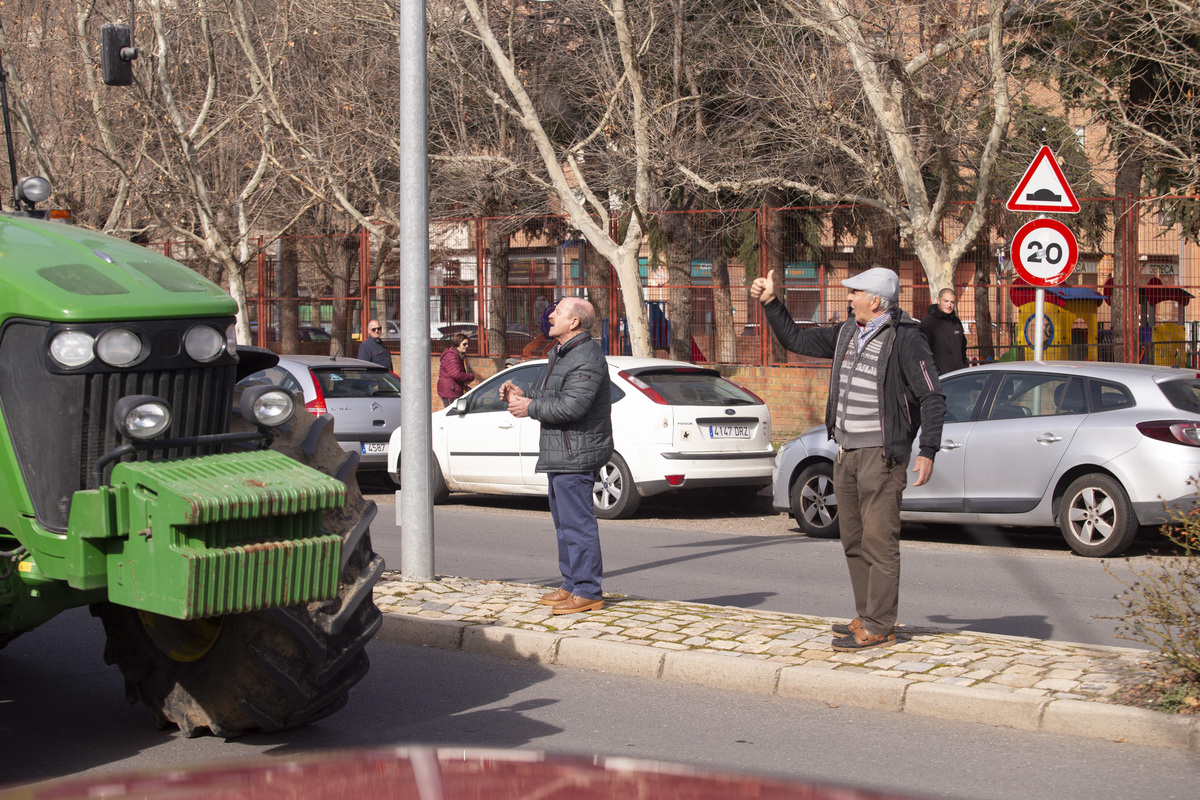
[217, 532]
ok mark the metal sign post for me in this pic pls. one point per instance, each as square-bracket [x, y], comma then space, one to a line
[1039, 334]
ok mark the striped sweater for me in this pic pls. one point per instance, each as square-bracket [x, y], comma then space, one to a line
[859, 421]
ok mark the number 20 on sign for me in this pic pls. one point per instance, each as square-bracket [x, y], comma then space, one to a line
[1044, 252]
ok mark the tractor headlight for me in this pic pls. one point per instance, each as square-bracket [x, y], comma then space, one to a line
[267, 405]
[120, 347]
[73, 348]
[203, 343]
[33, 190]
[141, 416]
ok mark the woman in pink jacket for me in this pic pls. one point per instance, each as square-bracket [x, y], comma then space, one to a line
[453, 376]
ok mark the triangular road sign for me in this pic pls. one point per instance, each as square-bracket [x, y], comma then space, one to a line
[1044, 188]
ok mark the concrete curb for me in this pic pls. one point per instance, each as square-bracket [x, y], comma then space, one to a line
[833, 687]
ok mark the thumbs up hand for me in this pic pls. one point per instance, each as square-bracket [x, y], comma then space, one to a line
[763, 289]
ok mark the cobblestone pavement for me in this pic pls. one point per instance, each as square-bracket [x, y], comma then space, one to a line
[1011, 681]
[1022, 666]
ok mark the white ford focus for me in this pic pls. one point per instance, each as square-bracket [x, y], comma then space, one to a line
[675, 426]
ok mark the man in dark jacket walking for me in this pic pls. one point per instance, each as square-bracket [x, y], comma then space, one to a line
[372, 349]
[944, 332]
[882, 387]
[573, 404]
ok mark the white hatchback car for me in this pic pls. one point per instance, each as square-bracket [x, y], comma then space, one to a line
[675, 426]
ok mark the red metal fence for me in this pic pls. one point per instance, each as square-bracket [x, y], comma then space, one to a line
[696, 268]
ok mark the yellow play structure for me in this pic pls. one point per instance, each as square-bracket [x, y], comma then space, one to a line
[1071, 328]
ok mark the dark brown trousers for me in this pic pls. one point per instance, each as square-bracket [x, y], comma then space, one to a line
[868, 496]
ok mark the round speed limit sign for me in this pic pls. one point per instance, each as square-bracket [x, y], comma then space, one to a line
[1044, 252]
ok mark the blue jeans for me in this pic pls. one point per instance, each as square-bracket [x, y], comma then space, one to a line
[574, 517]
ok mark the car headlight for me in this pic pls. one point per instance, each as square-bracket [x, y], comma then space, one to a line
[141, 416]
[267, 405]
[203, 343]
[120, 347]
[73, 348]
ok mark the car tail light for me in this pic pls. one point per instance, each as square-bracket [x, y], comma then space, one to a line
[317, 404]
[1173, 431]
[643, 387]
[674, 480]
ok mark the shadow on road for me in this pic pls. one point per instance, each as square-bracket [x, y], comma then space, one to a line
[63, 710]
[1033, 626]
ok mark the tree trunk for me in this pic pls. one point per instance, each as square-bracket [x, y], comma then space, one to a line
[931, 252]
[498, 243]
[632, 297]
[777, 263]
[680, 239]
[983, 310]
[237, 290]
[289, 303]
[344, 271]
[1125, 242]
[725, 337]
[597, 271]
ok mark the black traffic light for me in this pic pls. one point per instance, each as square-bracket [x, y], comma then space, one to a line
[116, 54]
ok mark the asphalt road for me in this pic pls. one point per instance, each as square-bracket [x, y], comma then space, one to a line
[62, 713]
[1007, 581]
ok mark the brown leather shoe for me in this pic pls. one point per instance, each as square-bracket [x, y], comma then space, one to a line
[862, 639]
[555, 597]
[847, 628]
[574, 604]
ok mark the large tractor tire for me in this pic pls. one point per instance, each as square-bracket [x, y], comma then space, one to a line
[268, 670]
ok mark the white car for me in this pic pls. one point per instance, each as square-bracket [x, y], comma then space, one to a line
[675, 426]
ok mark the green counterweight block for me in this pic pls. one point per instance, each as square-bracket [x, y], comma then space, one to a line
[222, 534]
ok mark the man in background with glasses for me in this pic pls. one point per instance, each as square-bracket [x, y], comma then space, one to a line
[372, 349]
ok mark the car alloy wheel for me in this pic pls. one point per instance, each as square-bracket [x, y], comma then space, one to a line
[1096, 517]
[814, 502]
[614, 494]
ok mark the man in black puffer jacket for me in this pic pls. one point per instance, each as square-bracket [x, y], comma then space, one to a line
[944, 331]
[573, 404]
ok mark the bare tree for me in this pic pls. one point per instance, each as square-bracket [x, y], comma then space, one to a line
[899, 108]
[73, 133]
[588, 205]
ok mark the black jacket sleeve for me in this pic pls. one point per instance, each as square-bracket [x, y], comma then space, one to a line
[819, 342]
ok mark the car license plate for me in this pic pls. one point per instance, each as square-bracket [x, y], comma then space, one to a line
[729, 431]
[374, 448]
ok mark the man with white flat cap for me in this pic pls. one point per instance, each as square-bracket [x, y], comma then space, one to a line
[883, 386]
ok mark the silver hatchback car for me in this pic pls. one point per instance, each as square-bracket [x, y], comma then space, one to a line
[363, 398]
[1096, 449]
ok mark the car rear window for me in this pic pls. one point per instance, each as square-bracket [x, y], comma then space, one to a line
[1184, 393]
[685, 387]
[357, 382]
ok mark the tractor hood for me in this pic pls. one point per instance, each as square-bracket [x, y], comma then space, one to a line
[55, 271]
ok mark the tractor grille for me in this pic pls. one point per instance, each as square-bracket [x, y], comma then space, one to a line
[60, 424]
[199, 399]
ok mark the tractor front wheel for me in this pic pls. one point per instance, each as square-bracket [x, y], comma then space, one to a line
[268, 670]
